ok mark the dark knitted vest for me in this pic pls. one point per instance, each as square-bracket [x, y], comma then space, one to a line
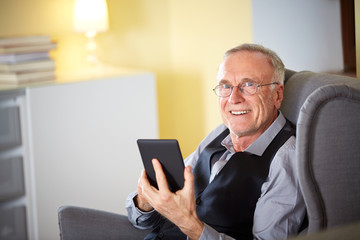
[228, 203]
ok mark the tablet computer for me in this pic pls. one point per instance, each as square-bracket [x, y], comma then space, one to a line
[167, 151]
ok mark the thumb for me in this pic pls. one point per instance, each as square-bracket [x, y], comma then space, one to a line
[189, 178]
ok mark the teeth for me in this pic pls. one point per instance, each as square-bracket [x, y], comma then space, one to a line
[239, 112]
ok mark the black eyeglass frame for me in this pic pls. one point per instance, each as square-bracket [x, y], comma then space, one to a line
[241, 90]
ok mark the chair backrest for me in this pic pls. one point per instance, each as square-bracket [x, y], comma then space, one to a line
[326, 111]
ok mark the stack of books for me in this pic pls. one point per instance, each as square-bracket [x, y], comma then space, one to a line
[26, 59]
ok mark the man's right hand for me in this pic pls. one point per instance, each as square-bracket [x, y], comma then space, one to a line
[139, 200]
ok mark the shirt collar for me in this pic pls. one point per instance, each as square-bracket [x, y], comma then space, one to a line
[259, 146]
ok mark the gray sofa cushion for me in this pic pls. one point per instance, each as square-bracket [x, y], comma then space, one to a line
[78, 223]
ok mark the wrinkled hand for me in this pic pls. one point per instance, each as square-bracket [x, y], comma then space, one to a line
[179, 207]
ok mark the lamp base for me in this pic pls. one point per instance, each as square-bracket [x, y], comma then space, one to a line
[91, 57]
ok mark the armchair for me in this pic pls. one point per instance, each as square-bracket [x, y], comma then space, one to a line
[326, 111]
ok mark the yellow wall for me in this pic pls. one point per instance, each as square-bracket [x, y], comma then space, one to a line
[201, 31]
[181, 41]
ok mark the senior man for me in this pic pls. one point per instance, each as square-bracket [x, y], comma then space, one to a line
[241, 181]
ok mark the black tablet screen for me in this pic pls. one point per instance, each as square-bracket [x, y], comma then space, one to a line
[169, 154]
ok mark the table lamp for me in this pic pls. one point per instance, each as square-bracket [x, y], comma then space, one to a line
[90, 17]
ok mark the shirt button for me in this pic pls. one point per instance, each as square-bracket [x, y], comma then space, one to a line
[161, 235]
[198, 201]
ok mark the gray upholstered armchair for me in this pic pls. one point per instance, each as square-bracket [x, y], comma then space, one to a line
[326, 111]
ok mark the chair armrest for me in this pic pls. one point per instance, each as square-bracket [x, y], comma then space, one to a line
[345, 232]
[87, 224]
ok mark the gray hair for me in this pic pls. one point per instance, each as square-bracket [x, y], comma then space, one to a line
[278, 65]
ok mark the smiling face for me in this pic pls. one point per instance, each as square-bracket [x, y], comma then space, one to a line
[249, 116]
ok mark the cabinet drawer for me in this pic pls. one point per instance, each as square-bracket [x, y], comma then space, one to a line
[11, 178]
[10, 134]
[13, 223]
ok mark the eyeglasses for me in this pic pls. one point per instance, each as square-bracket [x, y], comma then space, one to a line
[246, 88]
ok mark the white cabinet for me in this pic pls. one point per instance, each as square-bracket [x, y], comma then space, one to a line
[71, 144]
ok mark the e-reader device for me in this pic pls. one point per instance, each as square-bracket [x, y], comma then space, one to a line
[167, 151]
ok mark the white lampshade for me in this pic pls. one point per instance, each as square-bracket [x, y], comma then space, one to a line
[90, 15]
